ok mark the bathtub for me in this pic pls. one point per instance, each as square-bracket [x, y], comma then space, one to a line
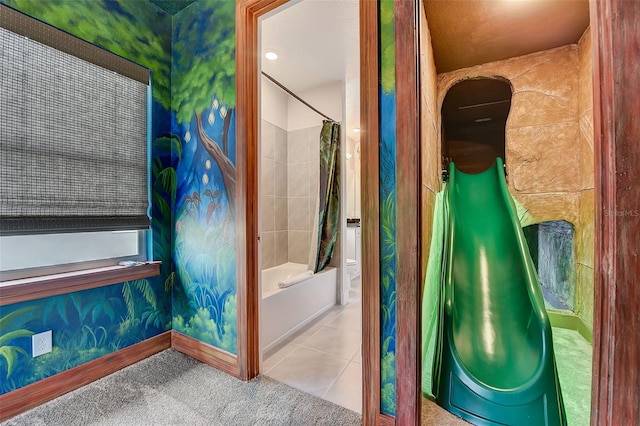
[285, 310]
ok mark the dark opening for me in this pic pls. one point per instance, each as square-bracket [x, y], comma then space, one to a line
[551, 247]
[474, 116]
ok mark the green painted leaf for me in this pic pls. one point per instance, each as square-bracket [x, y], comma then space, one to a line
[7, 320]
[145, 288]
[127, 294]
[15, 334]
[10, 354]
[197, 78]
[387, 46]
[169, 282]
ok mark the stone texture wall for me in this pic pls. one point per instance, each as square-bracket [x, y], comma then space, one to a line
[556, 262]
[549, 166]
[430, 141]
[542, 145]
[585, 249]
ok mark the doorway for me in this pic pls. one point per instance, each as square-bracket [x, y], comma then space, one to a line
[529, 160]
[474, 117]
[312, 340]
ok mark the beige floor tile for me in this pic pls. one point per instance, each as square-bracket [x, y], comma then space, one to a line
[276, 355]
[309, 370]
[324, 357]
[304, 333]
[357, 357]
[330, 315]
[339, 342]
[347, 390]
[354, 307]
[347, 320]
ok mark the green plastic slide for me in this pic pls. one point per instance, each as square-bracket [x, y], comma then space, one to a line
[493, 353]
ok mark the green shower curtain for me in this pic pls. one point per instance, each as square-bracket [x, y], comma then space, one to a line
[329, 190]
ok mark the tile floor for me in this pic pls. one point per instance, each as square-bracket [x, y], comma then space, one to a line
[323, 358]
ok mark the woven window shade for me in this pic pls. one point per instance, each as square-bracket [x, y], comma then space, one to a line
[73, 142]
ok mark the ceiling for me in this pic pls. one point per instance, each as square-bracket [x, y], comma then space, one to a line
[318, 40]
[465, 33]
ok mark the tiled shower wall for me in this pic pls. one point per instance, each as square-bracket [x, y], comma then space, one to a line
[289, 184]
[273, 193]
[303, 171]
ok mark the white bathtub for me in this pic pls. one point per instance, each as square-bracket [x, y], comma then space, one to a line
[283, 311]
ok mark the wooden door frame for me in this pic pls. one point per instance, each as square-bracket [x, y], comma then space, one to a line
[616, 345]
[408, 230]
[247, 161]
[370, 214]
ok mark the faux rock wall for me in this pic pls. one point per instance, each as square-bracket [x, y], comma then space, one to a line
[430, 141]
[555, 261]
[548, 154]
[542, 146]
[585, 246]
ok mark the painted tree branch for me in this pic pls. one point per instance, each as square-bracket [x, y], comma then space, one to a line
[225, 132]
[227, 168]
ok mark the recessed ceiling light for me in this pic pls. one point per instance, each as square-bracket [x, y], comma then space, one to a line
[272, 56]
[356, 130]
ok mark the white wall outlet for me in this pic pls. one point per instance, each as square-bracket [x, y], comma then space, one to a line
[41, 343]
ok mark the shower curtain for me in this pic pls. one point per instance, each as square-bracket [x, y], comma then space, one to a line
[328, 197]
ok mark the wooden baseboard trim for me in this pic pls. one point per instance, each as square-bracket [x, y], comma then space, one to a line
[206, 353]
[385, 420]
[35, 394]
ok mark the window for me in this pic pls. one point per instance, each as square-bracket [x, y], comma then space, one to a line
[73, 149]
[21, 254]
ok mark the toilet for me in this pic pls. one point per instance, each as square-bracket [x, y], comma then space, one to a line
[352, 269]
[353, 252]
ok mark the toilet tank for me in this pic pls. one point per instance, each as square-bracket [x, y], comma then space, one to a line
[354, 248]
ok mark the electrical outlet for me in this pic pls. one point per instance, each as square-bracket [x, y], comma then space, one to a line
[41, 343]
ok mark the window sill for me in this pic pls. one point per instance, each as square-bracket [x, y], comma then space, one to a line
[51, 285]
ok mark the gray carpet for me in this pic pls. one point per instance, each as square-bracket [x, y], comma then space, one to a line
[173, 389]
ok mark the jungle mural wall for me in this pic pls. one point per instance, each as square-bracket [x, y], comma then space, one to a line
[388, 253]
[203, 108]
[192, 58]
[86, 325]
[93, 323]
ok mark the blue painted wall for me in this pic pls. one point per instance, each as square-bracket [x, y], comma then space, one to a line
[93, 323]
[203, 116]
[192, 58]
[86, 325]
[388, 209]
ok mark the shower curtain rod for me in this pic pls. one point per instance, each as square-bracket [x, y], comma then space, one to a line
[280, 85]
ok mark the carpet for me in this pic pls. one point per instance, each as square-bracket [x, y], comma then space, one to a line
[171, 388]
